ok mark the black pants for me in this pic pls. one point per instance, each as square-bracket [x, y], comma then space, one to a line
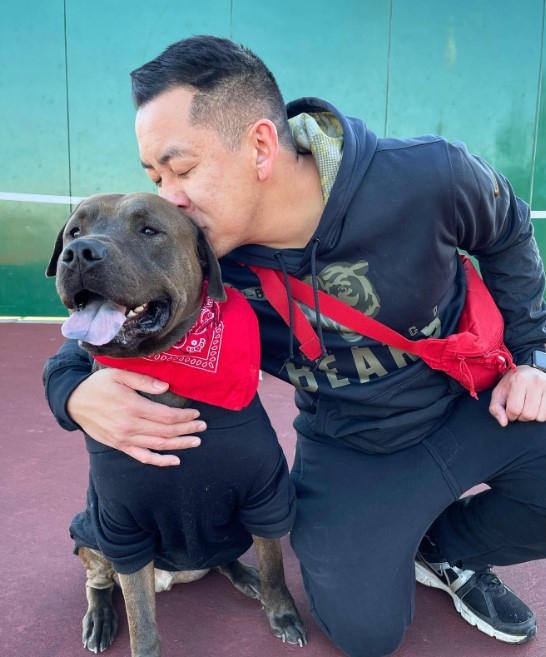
[361, 517]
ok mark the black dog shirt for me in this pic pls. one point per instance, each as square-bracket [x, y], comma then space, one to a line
[199, 514]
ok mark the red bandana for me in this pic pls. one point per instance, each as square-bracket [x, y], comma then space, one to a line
[216, 362]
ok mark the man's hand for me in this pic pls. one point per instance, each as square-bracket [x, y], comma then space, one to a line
[107, 407]
[520, 395]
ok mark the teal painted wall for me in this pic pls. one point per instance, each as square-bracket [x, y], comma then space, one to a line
[467, 70]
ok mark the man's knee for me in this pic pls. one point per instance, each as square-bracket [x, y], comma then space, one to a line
[365, 616]
[365, 637]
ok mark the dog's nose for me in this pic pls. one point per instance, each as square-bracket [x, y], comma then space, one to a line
[84, 252]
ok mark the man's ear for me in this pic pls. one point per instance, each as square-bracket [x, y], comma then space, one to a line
[265, 141]
[51, 270]
[211, 267]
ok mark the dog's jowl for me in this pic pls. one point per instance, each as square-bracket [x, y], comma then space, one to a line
[145, 293]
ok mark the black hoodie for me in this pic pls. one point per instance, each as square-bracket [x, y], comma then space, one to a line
[386, 243]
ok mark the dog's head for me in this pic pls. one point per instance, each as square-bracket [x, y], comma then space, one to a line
[130, 268]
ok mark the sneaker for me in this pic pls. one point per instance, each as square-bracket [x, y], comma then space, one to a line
[480, 597]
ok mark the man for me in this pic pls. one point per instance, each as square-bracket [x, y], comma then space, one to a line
[386, 445]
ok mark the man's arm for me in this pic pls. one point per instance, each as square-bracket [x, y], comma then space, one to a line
[107, 406]
[495, 225]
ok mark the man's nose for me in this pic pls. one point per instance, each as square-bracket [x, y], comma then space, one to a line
[174, 196]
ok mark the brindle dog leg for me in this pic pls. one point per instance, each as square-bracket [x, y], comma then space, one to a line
[139, 593]
[100, 623]
[245, 578]
[275, 596]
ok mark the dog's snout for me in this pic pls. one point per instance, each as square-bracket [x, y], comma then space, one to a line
[84, 252]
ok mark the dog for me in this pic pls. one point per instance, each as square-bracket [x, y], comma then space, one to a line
[131, 269]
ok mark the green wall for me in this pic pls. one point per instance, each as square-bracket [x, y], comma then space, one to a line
[469, 70]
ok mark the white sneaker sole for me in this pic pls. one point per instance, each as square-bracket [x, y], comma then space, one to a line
[424, 576]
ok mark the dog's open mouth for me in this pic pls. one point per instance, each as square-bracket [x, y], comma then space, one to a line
[99, 321]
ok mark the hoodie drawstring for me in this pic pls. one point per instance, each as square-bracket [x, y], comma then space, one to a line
[314, 284]
[277, 288]
[290, 359]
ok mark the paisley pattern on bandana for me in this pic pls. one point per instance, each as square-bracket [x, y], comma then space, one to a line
[201, 346]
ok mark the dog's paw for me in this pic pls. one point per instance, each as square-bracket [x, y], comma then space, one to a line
[245, 578]
[100, 625]
[288, 626]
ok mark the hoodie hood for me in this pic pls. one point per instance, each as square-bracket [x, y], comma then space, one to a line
[343, 154]
[321, 135]
[359, 144]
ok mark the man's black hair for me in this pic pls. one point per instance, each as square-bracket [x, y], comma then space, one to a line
[234, 88]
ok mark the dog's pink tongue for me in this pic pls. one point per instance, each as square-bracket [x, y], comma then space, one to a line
[97, 323]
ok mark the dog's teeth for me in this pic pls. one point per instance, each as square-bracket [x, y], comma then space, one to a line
[137, 311]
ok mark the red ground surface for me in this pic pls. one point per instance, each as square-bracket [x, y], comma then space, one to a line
[43, 478]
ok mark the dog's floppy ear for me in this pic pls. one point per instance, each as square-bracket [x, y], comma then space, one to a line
[209, 262]
[52, 266]
[57, 249]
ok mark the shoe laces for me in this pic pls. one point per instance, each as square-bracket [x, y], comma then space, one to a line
[491, 582]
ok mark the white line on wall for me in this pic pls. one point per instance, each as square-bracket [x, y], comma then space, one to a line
[41, 198]
[74, 200]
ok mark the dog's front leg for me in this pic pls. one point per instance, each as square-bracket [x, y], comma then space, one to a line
[100, 623]
[279, 605]
[139, 593]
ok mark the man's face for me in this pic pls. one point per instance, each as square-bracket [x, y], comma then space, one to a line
[192, 167]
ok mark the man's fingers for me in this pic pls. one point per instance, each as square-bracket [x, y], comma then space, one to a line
[515, 403]
[533, 407]
[528, 407]
[141, 382]
[181, 420]
[152, 458]
[157, 419]
[520, 395]
[507, 401]
[541, 416]
[499, 414]
[497, 405]
[154, 419]
[141, 446]
[108, 407]
[151, 441]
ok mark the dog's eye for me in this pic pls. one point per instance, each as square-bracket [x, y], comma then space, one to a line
[149, 231]
[75, 232]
